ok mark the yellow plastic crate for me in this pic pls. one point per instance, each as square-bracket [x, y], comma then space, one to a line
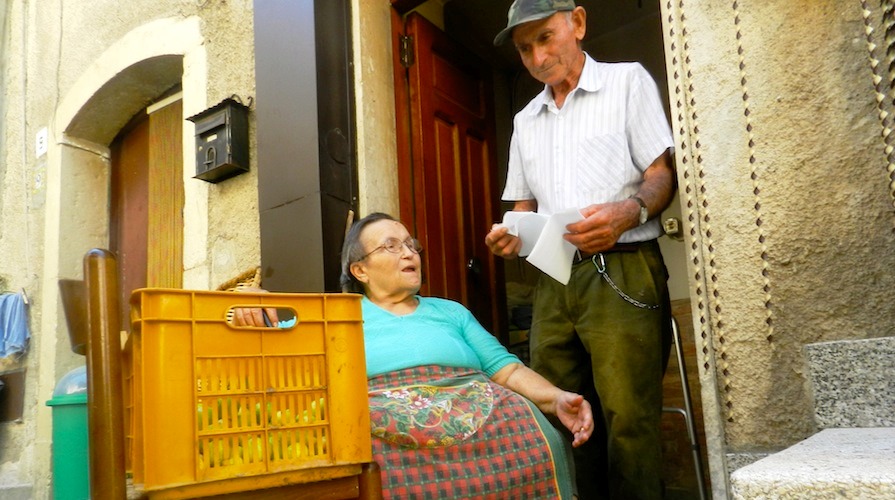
[215, 408]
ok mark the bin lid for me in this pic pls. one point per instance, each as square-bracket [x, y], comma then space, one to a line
[71, 388]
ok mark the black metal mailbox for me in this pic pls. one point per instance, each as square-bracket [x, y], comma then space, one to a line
[222, 141]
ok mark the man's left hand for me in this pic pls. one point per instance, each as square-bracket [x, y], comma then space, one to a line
[602, 226]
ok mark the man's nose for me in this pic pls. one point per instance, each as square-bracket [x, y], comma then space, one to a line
[538, 55]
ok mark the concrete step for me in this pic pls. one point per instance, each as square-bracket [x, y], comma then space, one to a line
[22, 492]
[853, 382]
[855, 463]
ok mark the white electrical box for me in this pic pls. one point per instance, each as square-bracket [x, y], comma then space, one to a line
[40, 146]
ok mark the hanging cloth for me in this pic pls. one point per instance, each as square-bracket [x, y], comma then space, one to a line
[14, 332]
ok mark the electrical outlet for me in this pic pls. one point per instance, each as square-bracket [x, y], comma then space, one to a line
[40, 143]
[672, 227]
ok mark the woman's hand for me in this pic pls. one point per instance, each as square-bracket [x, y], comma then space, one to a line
[572, 409]
[575, 413]
[256, 316]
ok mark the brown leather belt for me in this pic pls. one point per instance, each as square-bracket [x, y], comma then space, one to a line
[619, 247]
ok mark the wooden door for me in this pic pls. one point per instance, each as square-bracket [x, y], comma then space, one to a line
[147, 199]
[447, 171]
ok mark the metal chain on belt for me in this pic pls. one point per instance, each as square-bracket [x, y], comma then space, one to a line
[601, 268]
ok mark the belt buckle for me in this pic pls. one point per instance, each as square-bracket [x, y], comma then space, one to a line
[579, 257]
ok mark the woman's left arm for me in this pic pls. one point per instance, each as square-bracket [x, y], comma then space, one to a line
[572, 409]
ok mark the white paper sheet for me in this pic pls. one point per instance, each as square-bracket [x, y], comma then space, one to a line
[527, 226]
[542, 240]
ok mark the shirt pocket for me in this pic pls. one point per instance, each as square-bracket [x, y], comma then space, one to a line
[602, 163]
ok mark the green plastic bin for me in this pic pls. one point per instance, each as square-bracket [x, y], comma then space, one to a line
[71, 461]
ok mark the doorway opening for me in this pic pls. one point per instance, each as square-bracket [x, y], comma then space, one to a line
[617, 31]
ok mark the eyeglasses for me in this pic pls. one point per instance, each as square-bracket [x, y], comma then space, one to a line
[394, 245]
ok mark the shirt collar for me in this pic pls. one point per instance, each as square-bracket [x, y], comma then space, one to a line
[589, 81]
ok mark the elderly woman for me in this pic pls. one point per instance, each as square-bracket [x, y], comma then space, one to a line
[453, 413]
[448, 418]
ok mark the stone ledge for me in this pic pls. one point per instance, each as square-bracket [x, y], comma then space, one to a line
[739, 460]
[853, 382]
[21, 492]
[854, 463]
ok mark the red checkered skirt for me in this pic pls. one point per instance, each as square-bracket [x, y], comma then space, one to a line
[443, 432]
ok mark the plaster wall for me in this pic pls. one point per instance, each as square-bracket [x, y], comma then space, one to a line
[82, 74]
[787, 202]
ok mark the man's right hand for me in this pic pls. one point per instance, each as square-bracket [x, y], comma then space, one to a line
[502, 243]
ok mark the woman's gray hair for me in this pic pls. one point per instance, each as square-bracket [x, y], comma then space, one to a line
[353, 250]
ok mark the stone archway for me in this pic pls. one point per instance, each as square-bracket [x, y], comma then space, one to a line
[129, 75]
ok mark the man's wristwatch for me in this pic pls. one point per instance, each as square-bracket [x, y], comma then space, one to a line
[644, 213]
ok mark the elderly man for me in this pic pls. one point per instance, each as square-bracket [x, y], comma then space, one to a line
[596, 139]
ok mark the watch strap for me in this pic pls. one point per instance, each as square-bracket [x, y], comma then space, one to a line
[644, 212]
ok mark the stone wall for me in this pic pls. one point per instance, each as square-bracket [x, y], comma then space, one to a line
[785, 189]
[81, 74]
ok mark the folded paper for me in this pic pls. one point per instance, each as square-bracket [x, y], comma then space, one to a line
[542, 240]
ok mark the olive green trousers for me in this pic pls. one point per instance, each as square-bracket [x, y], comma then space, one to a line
[611, 344]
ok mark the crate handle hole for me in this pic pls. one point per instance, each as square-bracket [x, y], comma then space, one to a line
[286, 317]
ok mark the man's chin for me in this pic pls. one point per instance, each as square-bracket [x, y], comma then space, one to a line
[544, 78]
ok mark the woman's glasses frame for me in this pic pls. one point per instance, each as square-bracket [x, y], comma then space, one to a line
[395, 246]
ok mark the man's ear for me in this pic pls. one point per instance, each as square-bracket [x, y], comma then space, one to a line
[579, 22]
[357, 270]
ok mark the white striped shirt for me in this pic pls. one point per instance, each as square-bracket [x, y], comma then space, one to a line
[595, 148]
